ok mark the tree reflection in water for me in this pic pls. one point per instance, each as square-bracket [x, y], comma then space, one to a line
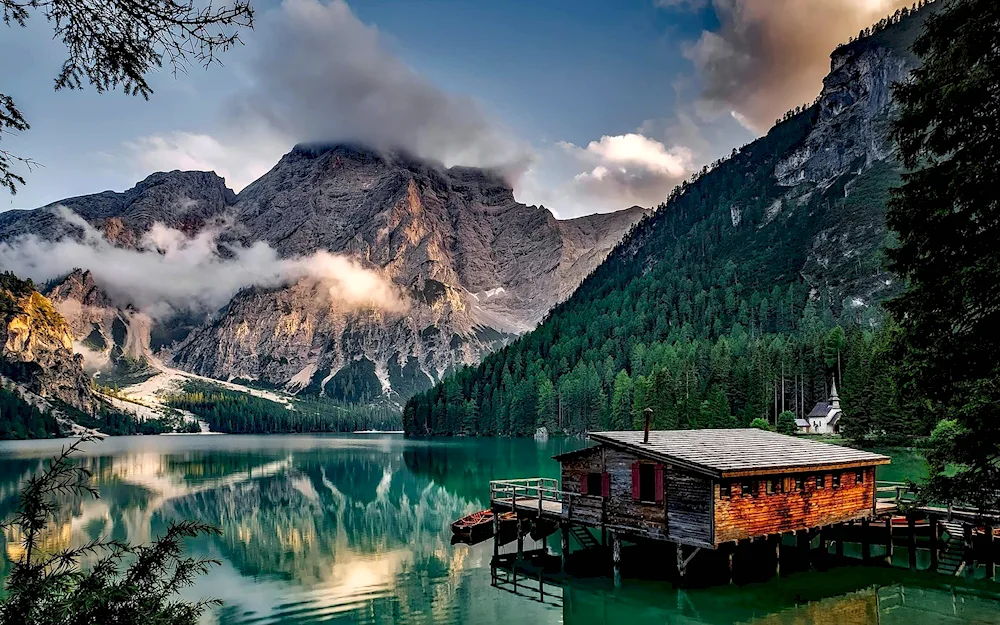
[356, 528]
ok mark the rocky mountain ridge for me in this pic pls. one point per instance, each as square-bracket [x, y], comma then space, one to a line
[474, 266]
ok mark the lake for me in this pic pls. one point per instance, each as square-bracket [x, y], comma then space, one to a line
[355, 529]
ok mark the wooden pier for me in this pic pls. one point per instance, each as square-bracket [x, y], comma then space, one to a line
[733, 515]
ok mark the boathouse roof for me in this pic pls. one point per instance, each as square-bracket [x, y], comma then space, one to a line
[738, 452]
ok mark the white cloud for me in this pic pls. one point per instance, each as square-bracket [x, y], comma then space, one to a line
[240, 160]
[627, 169]
[319, 74]
[173, 272]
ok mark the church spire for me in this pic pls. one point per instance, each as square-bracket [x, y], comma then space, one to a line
[834, 399]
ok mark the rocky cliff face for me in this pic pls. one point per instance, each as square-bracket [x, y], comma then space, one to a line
[36, 346]
[473, 266]
[849, 154]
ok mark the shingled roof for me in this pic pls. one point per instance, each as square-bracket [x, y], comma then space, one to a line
[738, 452]
[822, 409]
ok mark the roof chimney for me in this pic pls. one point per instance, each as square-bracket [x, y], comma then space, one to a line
[649, 414]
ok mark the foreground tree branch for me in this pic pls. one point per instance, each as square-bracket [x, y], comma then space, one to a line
[114, 44]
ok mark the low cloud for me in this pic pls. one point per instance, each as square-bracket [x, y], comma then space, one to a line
[629, 169]
[319, 74]
[240, 160]
[172, 272]
[769, 56]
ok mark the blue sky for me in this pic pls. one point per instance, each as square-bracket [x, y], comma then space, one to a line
[589, 105]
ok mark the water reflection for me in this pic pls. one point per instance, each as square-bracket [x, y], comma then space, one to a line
[319, 528]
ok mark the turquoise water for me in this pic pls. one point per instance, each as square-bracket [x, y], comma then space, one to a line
[355, 529]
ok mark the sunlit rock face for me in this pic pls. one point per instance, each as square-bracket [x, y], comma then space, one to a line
[473, 267]
[36, 349]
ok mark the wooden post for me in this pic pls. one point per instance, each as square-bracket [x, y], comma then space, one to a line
[935, 541]
[520, 538]
[616, 556]
[681, 569]
[889, 547]
[911, 547]
[990, 558]
[777, 555]
[729, 557]
[803, 544]
[496, 534]
[840, 541]
[866, 548]
[967, 544]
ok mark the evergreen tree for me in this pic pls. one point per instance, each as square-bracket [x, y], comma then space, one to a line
[947, 216]
[786, 423]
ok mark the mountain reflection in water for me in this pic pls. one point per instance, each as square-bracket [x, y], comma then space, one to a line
[356, 528]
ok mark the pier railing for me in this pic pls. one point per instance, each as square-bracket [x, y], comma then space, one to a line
[893, 492]
[534, 489]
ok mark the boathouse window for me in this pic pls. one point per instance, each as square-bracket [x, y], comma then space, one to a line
[859, 477]
[798, 484]
[597, 484]
[836, 480]
[746, 489]
[820, 481]
[770, 487]
[647, 482]
[725, 490]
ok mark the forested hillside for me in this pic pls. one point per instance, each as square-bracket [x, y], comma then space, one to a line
[743, 295]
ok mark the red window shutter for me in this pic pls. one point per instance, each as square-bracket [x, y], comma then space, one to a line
[605, 485]
[583, 484]
[659, 483]
[635, 481]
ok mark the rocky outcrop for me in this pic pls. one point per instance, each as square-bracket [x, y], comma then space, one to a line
[849, 154]
[36, 346]
[104, 333]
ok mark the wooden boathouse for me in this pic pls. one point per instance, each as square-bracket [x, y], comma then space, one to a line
[697, 489]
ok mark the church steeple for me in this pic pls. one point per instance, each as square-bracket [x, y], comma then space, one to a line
[834, 399]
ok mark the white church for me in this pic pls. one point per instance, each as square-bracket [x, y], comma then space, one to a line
[825, 416]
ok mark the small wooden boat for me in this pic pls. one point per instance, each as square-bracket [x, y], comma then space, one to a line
[475, 525]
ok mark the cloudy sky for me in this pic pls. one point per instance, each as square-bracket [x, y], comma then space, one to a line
[587, 105]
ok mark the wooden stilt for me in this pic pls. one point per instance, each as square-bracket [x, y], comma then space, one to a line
[889, 547]
[777, 555]
[496, 535]
[616, 556]
[935, 541]
[911, 545]
[729, 558]
[967, 543]
[803, 545]
[520, 539]
[866, 548]
[680, 562]
[840, 541]
[990, 559]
